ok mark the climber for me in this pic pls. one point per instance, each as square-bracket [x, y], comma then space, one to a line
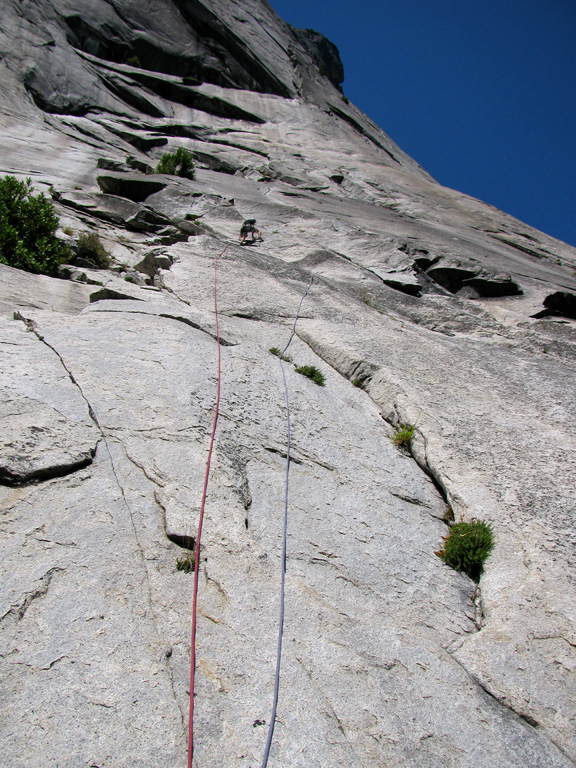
[249, 227]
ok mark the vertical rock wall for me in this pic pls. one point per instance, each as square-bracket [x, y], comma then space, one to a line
[436, 304]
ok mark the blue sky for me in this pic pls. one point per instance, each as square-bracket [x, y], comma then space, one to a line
[482, 93]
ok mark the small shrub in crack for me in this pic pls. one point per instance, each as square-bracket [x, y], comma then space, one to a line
[403, 435]
[28, 225]
[91, 249]
[311, 372]
[133, 61]
[448, 516]
[186, 563]
[278, 353]
[467, 546]
[358, 383]
[179, 163]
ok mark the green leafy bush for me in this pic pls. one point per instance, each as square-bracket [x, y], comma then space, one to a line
[91, 249]
[467, 546]
[358, 383]
[134, 61]
[312, 373]
[404, 434]
[28, 224]
[179, 163]
[278, 353]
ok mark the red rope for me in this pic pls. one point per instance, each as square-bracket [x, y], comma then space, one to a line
[200, 520]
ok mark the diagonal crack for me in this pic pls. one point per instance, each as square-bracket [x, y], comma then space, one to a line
[331, 711]
[19, 610]
[31, 326]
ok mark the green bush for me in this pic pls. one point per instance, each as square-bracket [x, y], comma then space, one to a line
[404, 434]
[467, 546]
[278, 353]
[28, 224]
[179, 163]
[358, 383]
[133, 61]
[91, 249]
[312, 373]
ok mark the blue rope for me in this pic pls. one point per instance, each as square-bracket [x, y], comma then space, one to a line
[284, 537]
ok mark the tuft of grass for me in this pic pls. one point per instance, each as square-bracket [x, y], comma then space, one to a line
[91, 249]
[358, 383]
[186, 563]
[367, 300]
[311, 372]
[448, 516]
[28, 225]
[278, 353]
[404, 434]
[179, 163]
[467, 546]
[133, 61]
[345, 100]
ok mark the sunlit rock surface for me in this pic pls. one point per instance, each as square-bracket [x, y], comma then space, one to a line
[450, 314]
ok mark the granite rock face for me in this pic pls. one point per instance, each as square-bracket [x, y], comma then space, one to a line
[445, 313]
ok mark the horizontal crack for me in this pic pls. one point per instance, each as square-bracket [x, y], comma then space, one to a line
[17, 479]
[177, 318]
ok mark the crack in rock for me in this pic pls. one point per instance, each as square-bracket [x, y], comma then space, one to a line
[19, 610]
[19, 479]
